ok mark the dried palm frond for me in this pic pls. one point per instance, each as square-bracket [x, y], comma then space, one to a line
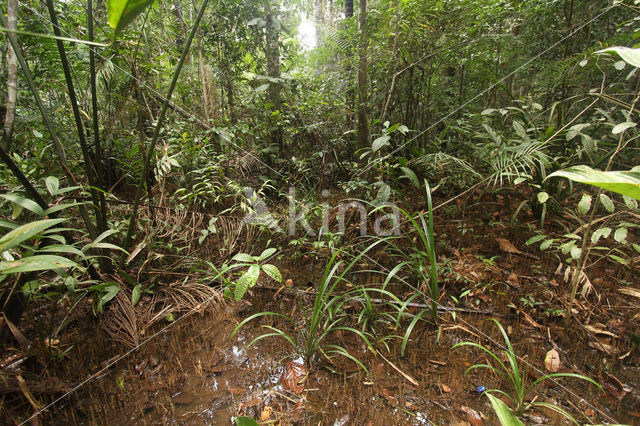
[246, 163]
[120, 321]
[182, 297]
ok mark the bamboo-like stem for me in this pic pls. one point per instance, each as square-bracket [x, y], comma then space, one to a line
[101, 219]
[33, 193]
[47, 121]
[156, 133]
[102, 223]
[76, 111]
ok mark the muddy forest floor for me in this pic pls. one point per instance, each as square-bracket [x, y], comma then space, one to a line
[193, 372]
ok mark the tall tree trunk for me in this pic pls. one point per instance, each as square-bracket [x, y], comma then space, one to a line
[350, 92]
[394, 58]
[319, 18]
[363, 121]
[230, 100]
[182, 25]
[12, 78]
[348, 8]
[272, 53]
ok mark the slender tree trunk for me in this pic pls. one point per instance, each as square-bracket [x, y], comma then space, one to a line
[394, 58]
[319, 20]
[363, 121]
[230, 101]
[203, 82]
[460, 91]
[350, 92]
[182, 25]
[12, 79]
[272, 53]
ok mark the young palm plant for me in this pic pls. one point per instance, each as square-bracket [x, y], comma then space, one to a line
[325, 318]
[422, 259]
[513, 373]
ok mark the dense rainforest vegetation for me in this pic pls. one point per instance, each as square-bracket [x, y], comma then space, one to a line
[327, 212]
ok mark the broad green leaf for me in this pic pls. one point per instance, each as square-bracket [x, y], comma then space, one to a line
[53, 185]
[272, 271]
[619, 65]
[243, 257]
[575, 130]
[267, 253]
[409, 174]
[504, 413]
[576, 252]
[621, 235]
[384, 193]
[589, 144]
[542, 197]
[602, 232]
[619, 128]
[247, 280]
[622, 182]
[111, 292]
[122, 12]
[520, 130]
[60, 207]
[606, 203]
[629, 55]
[24, 202]
[380, 142]
[42, 262]
[105, 246]
[26, 231]
[135, 294]
[546, 244]
[619, 259]
[245, 421]
[630, 202]
[535, 239]
[62, 248]
[584, 204]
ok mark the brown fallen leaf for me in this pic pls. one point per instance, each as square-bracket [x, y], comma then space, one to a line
[445, 388]
[507, 247]
[294, 374]
[530, 320]
[388, 395]
[472, 415]
[600, 329]
[411, 406]
[615, 387]
[603, 347]
[552, 361]
[513, 281]
[630, 292]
